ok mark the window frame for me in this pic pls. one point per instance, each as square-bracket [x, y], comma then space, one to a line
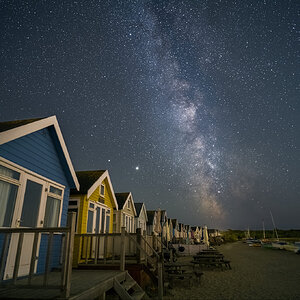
[100, 190]
[94, 210]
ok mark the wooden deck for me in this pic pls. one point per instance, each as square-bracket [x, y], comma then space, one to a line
[85, 284]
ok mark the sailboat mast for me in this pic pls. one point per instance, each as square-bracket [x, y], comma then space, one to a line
[264, 231]
[274, 226]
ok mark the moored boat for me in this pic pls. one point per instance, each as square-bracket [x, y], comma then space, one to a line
[279, 245]
[292, 247]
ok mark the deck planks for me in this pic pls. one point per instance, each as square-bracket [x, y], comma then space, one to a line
[85, 284]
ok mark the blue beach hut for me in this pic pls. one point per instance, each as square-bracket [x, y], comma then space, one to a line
[36, 175]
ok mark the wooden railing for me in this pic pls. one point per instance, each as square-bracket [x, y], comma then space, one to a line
[120, 248]
[107, 248]
[157, 261]
[67, 236]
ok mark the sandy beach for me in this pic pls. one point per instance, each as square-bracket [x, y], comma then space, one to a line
[257, 273]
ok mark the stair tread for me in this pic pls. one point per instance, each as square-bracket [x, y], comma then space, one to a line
[137, 295]
[128, 284]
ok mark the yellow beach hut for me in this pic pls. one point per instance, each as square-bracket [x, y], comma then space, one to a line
[94, 204]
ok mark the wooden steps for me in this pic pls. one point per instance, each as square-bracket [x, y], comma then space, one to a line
[129, 289]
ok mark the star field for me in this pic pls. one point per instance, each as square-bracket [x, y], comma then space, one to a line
[191, 105]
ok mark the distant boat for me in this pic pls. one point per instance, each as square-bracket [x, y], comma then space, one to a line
[292, 247]
[279, 244]
[254, 243]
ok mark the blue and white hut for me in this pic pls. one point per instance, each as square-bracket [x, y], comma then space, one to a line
[36, 174]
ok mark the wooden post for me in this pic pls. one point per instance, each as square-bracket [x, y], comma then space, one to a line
[105, 247]
[69, 256]
[113, 249]
[18, 258]
[160, 280]
[97, 249]
[154, 244]
[86, 249]
[65, 243]
[122, 253]
[139, 242]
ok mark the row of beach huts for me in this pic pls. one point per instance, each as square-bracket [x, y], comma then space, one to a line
[55, 218]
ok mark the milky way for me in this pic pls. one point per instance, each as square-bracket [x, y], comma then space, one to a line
[191, 105]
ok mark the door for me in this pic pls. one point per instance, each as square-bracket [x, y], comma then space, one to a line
[29, 212]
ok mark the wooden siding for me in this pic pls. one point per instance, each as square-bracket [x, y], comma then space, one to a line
[40, 153]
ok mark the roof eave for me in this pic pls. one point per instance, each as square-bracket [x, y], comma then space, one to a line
[20, 131]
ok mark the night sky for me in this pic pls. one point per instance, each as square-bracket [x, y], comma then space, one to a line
[191, 105]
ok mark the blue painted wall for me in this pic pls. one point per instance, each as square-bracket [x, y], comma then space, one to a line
[41, 153]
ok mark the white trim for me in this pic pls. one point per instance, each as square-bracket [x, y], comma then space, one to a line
[23, 130]
[97, 184]
[19, 168]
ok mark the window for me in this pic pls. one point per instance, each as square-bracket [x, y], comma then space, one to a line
[53, 205]
[90, 222]
[107, 221]
[8, 193]
[103, 220]
[102, 190]
[128, 204]
[56, 191]
[98, 218]
[52, 212]
[9, 173]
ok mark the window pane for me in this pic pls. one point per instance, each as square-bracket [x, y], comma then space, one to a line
[8, 194]
[107, 224]
[9, 173]
[102, 220]
[52, 212]
[98, 219]
[92, 205]
[31, 204]
[102, 190]
[90, 221]
[56, 191]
